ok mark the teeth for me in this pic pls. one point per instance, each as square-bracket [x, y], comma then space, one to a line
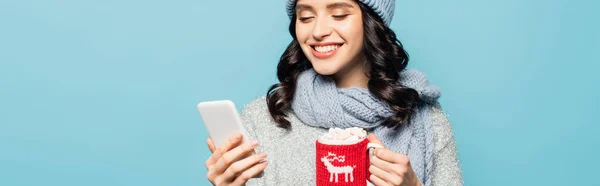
[325, 49]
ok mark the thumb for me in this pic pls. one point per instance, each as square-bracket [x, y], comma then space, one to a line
[373, 139]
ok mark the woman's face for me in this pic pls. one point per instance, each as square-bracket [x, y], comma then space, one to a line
[330, 33]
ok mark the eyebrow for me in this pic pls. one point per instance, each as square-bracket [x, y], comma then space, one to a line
[300, 7]
[339, 5]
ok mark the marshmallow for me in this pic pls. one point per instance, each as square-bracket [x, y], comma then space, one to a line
[349, 134]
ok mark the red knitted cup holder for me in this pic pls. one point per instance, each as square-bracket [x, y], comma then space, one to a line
[346, 164]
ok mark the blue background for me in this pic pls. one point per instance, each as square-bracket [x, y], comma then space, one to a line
[104, 92]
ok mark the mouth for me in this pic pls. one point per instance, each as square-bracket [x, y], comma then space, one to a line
[326, 50]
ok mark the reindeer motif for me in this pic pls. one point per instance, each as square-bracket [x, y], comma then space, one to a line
[333, 170]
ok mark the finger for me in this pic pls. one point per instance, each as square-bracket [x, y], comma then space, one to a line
[234, 140]
[373, 139]
[250, 173]
[384, 165]
[233, 155]
[378, 181]
[211, 145]
[391, 156]
[240, 166]
[392, 168]
[385, 176]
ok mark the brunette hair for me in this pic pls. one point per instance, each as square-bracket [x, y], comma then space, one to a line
[385, 59]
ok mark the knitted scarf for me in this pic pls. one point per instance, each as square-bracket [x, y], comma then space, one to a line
[318, 102]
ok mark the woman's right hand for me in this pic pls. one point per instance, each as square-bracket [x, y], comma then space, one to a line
[225, 166]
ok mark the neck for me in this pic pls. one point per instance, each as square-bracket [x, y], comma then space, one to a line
[352, 76]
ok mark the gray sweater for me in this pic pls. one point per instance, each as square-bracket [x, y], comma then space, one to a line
[291, 154]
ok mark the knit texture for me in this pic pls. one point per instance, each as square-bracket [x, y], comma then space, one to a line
[319, 103]
[291, 153]
[383, 8]
[342, 164]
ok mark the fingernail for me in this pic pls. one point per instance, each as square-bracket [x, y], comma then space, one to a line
[237, 136]
[254, 143]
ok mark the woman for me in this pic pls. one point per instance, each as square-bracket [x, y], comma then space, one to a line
[344, 68]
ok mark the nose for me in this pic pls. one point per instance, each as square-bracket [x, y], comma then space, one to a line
[322, 29]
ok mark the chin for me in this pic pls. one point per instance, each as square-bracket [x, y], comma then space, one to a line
[326, 70]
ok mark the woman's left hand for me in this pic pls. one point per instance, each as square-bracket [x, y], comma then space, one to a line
[390, 168]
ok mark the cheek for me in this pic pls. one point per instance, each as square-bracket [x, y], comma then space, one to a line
[302, 32]
[352, 32]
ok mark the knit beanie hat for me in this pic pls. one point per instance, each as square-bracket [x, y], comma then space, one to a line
[383, 8]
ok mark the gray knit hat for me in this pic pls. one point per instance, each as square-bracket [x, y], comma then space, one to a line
[383, 8]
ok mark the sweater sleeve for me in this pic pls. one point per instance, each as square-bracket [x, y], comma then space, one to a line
[250, 120]
[446, 166]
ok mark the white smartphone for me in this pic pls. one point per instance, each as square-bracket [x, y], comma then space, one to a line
[221, 120]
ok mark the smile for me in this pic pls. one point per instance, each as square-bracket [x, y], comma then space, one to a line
[325, 51]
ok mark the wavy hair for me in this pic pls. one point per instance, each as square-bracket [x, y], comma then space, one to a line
[385, 59]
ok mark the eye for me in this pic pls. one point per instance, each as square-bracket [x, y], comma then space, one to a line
[304, 19]
[340, 17]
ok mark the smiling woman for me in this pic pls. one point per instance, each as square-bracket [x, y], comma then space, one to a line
[344, 68]
[329, 30]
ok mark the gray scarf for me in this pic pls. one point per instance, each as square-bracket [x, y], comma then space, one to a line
[319, 103]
